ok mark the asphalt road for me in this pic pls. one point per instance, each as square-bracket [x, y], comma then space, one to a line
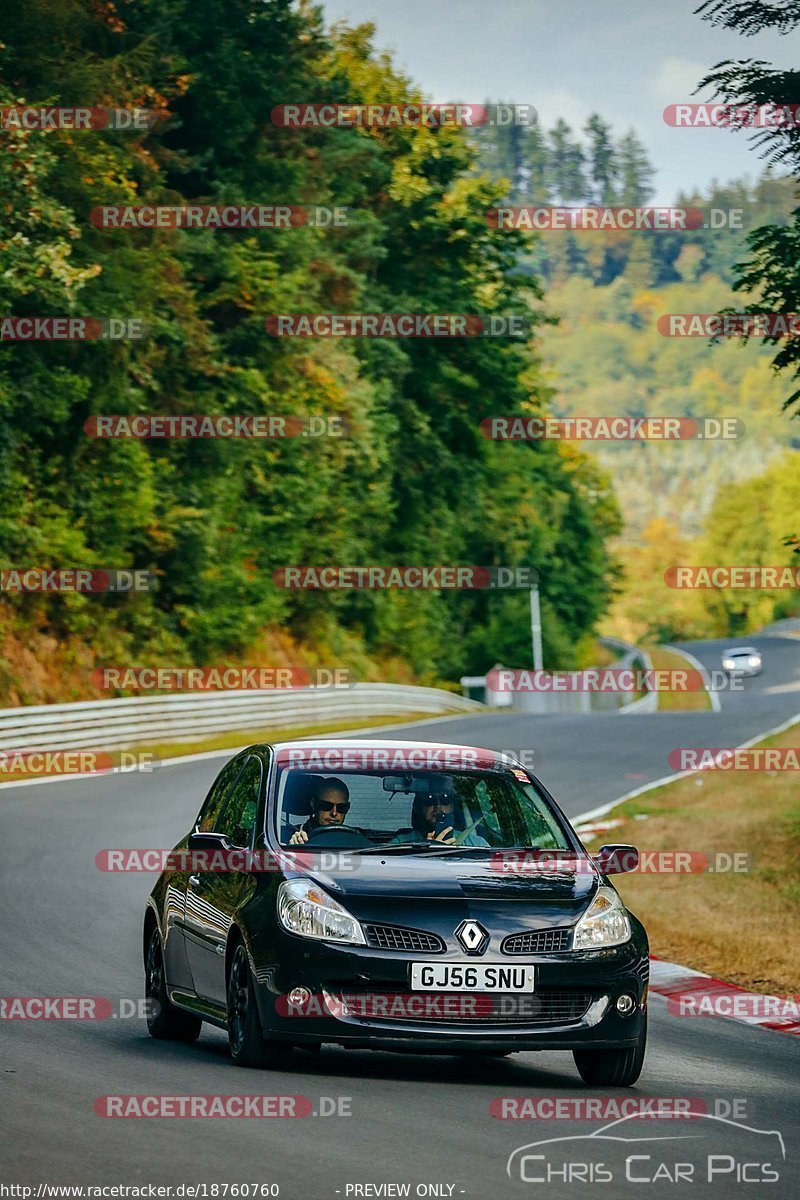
[69, 929]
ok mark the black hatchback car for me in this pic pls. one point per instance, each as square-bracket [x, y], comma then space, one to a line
[403, 896]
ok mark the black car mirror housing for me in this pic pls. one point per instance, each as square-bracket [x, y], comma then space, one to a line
[617, 859]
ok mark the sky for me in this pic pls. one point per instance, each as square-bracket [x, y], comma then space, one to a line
[625, 59]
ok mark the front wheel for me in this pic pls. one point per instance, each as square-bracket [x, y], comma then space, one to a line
[615, 1068]
[246, 1039]
[164, 1020]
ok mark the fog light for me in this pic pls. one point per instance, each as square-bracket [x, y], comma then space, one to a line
[625, 1005]
[299, 996]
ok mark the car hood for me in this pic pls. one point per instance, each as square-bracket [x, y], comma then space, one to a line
[408, 877]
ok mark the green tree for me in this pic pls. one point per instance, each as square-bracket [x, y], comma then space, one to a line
[413, 482]
[567, 178]
[772, 272]
[634, 171]
[602, 161]
[747, 526]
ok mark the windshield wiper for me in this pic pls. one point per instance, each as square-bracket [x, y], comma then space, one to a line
[495, 849]
[390, 848]
[442, 849]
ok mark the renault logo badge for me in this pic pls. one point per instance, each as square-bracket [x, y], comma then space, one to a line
[473, 937]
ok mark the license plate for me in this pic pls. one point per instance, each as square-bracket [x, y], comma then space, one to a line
[470, 977]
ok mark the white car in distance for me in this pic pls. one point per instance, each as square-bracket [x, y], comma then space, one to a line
[742, 660]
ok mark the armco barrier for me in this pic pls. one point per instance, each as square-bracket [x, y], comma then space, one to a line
[188, 717]
[542, 702]
[630, 656]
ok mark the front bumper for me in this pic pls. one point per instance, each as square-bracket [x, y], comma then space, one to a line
[572, 1007]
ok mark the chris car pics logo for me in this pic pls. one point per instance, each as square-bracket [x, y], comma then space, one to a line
[632, 1150]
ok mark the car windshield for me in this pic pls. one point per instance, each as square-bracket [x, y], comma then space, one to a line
[418, 810]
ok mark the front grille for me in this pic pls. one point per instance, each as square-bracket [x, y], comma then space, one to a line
[387, 1006]
[543, 941]
[395, 937]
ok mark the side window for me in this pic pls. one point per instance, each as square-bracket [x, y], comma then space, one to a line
[237, 818]
[218, 795]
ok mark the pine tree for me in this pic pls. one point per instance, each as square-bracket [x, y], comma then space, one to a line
[602, 159]
[634, 171]
[566, 167]
[537, 187]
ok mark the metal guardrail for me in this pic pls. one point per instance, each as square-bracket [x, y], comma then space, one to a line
[541, 702]
[630, 655]
[188, 717]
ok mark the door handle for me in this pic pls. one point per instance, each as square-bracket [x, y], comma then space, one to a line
[194, 880]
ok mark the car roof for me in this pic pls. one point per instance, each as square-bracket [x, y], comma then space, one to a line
[742, 650]
[323, 743]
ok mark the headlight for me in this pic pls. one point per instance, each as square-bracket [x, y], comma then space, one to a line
[605, 922]
[753, 661]
[728, 664]
[304, 908]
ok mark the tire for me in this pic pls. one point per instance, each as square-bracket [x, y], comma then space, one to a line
[615, 1068]
[248, 1046]
[164, 1020]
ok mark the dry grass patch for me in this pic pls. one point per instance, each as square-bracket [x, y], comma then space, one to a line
[742, 927]
[671, 660]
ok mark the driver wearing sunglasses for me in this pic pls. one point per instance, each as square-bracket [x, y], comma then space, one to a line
[330, 803]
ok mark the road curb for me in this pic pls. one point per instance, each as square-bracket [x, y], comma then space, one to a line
[692, 993]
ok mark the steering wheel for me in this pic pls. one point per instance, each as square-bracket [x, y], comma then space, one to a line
[329, 835]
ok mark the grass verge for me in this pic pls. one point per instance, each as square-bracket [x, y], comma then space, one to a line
[671, 660]
[741, 927]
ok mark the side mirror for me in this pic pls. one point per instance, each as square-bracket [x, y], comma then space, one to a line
[617, 859]
[208, 841]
